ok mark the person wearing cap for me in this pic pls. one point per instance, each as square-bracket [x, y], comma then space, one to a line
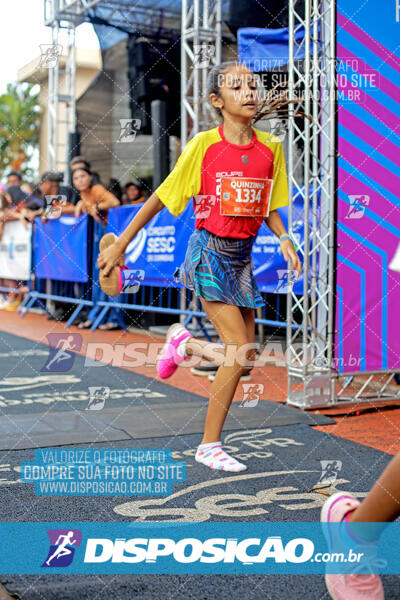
[50, 187]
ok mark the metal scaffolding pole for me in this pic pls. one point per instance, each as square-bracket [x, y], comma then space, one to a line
[310, 315]
[61, 90]
[200, 49]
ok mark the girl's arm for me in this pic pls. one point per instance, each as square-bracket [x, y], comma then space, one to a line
[275, 224]
[110, 256]
[79, 208]
[106, 200]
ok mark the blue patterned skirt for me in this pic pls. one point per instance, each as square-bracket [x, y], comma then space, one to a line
[220, 268]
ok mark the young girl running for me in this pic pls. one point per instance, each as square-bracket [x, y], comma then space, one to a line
[227, 170]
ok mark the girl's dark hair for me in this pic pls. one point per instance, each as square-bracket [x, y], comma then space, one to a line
[275, 103]
[79, 159]
[213, 80]
[88, 171]
[137, 184]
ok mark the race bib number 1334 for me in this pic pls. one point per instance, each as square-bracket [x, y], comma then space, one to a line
[245, 196]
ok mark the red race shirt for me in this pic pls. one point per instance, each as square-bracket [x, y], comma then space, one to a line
[208, 160]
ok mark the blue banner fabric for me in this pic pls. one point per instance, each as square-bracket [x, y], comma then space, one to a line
[159, 247]
[60, 249]
[267, 49]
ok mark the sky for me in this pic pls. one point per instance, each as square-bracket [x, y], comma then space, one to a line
[23, 31]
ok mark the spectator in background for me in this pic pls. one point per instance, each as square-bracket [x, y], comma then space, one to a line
[95, 199]
[8, 211]
[51, 189]
[58, 200]
[115, 188]
[23, 206]
[28, 188]
[14, 178]
[133, 193]
[11, 207]
[80, 161]
[17, 197]
[34, 205]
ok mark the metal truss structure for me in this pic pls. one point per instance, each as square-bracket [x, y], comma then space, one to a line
[310, 316]
[61, 99]
[141, 16]
[201, 41]
[314, 378]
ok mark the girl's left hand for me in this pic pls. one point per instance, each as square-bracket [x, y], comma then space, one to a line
[290, 253]
[93, 212]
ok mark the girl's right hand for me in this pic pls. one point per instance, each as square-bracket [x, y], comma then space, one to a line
[109, 258]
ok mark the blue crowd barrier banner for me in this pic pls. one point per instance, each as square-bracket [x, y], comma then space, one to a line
[159, 247]
[60, 249]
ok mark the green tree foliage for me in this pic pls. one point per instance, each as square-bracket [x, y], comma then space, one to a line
[19, 126]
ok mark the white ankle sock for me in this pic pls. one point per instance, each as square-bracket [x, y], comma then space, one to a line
[213, 456]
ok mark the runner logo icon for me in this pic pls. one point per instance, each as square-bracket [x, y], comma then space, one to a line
[62, 547]
[62, 351]
[357, 207]
[202, 205]
[132, 279]
[97, 397]
[129, 128]
[286, 280]
[251, 394]
[329, 471]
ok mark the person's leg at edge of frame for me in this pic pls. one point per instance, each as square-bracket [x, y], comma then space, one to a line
[381, 506]
[232, 328]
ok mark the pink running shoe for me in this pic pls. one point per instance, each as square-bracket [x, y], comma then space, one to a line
[172, 353]
[353, 585]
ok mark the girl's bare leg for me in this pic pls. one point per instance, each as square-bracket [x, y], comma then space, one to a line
[249, 319]
[215, 352]
[230, 325]
[382, 504]
[208, 350]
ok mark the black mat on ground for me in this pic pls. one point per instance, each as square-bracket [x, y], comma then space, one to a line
[39, 409]
[284, 463]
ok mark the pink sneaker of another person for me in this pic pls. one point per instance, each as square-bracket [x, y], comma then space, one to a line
[173, 351]
[352, 585]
